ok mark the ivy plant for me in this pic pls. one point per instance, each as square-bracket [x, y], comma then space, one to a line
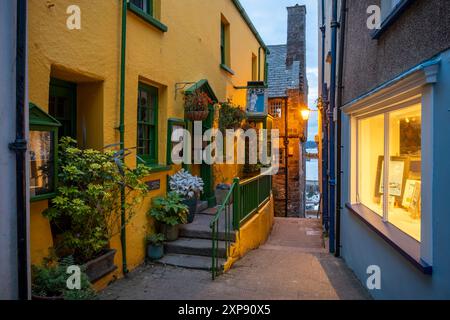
[86, 209]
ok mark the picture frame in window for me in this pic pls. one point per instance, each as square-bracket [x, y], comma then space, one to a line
[173, 124]
[43, 153]
[398, 178]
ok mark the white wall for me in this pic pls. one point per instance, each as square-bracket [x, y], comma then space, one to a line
[8, 255]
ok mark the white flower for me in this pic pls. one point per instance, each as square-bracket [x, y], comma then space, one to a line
[186, 184]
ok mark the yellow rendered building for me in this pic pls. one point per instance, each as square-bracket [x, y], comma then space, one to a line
[75, 60]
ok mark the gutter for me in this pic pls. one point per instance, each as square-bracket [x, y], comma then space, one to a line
[123, 238]
[339, 127]
[19, 146]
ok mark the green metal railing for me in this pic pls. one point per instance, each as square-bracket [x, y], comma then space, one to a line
[222, 228]
[241, 203]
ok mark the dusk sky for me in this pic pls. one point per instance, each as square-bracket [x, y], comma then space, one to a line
[270, 18]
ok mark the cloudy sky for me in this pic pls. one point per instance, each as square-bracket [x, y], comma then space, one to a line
[270, 18]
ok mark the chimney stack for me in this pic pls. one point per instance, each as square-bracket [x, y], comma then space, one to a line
[296, 38]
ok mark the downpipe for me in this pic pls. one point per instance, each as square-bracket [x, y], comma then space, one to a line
[331, 128]
[339, 126]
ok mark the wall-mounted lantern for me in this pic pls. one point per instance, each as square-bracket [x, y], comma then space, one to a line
[305, 114]
[43, 148]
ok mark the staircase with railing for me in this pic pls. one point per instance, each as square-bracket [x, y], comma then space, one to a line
[242, 202]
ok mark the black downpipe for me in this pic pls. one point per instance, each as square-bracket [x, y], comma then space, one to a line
[325, 214]
[339, 126]
[286, 156]
[19, 146]
[331, 128]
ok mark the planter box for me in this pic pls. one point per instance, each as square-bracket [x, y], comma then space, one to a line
[192, 205]
[101, 266]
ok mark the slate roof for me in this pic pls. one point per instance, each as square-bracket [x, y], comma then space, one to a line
[281, 77]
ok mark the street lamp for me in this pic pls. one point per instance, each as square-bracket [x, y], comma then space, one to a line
[305, 114]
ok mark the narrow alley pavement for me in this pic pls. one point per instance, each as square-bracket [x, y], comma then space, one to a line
[292, 265]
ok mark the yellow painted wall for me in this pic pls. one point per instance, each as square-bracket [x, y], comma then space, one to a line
[252, 234]
[90, 57]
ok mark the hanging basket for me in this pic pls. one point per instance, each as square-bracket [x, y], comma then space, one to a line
[197, 115]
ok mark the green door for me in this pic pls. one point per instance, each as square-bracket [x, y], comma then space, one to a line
[62, 106]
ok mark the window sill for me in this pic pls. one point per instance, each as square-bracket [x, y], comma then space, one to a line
[401, 242]
[392, 17]
[227, 69]
[43, 197]
[155, 168]
[147, 18]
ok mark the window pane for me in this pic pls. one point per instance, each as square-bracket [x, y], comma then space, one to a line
[41, 162]
[370, 156]
[405, 131]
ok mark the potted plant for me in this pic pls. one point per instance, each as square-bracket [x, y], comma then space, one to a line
[155, 246]
[196, 105]
[49, 282]
[170, 212]
[85, 213]
[189, 187]
[231, 116]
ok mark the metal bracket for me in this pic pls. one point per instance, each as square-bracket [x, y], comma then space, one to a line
[19, 145]
[180, 86]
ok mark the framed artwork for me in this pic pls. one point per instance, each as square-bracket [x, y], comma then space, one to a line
[408, 195]
[398, 174]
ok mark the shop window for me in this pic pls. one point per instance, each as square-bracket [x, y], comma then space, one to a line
[43, 142]
[394, 135]
[147, 139]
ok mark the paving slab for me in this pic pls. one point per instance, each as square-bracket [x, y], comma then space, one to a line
[292, 265]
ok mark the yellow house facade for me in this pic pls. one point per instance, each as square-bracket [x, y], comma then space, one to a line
[171, 46]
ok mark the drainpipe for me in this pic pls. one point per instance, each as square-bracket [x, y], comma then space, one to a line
[339, 127]
[331, 128]
[259, 63]
[286, 156]
[325, 213]
[19, 146]
[123, 238]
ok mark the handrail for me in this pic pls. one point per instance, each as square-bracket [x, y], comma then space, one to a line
[241, 203]
[225, 211]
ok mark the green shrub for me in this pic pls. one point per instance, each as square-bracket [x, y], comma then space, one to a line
[169, 210]
[50, 280]
[230, 116]
[156, 239]
[87, 206]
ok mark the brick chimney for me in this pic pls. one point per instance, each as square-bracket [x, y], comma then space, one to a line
[296, 39]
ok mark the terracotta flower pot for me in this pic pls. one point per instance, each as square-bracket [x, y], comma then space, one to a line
[197, 115]
[171, 233]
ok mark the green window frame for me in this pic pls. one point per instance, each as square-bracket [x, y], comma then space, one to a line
[64, 92]
[173, 122]
[147, 124]
[223, 54]
[41, 122]
[145, 6]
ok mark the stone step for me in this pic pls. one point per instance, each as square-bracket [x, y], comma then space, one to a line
[197, 247]
[202, 206]
[200, 228]
[189, 261]
[209, 211]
